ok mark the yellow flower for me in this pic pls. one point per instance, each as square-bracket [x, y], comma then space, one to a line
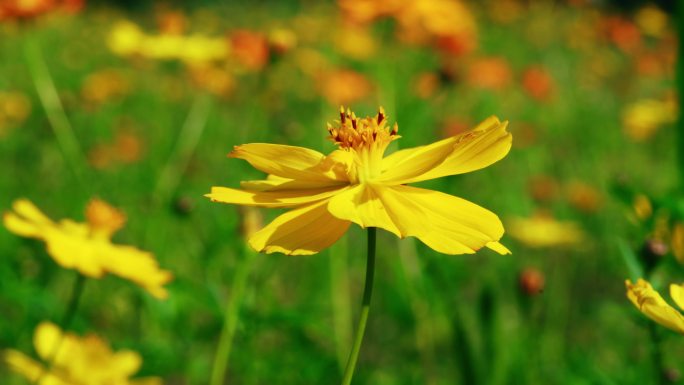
[357, 183]
[649, 302]
[87, 247]
[76, 361]
[541, 231]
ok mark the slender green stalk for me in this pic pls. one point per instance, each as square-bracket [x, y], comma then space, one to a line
[230, 320]
[65, 323]
[365, 308]
[680, 89]
[656, 354]
[54, 110]
[185, 147]
[341, 302]
[74, 301]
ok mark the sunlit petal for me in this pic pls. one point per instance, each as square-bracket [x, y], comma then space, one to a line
[470, 151]
[284, 161]
[302, 231]
[446, 223]
[649, 302]
[284, 198]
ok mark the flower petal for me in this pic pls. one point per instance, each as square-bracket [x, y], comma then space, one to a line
[26, 220]
[470, 151]
[447, 224]
[135, 265]
[649, 302]
[284, 161]
[303, 231]
[74, 251]
[677, 294]
[285, 198]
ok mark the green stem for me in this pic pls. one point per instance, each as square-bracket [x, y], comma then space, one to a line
[365, 308]
[49, 98]
[230, 321]
[680, 90]
[656, 354]
[67, 319]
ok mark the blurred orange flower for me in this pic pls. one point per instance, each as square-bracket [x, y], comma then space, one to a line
[250, 49]
[23, 9]
[492, 73]
[448, 24]
[104, 85]
[342, 86]
[75, 360]
[87, 247]
[538, 83]
[583, 197]
[623, 33]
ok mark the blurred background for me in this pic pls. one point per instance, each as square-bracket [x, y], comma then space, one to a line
[138, 102]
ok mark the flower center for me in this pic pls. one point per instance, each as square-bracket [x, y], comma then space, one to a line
[103, 219]
[367, 138]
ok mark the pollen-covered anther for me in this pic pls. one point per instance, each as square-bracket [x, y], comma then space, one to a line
[351, 132]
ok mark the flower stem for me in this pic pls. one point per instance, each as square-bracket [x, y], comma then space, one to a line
[680, 89]
[65, 323]
[365, 307]
[230, 320]
[72, 307]
[656, 354]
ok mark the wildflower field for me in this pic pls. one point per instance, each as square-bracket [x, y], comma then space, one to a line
[209, 192]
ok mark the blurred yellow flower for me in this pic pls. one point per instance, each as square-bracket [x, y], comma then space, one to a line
[76, 361]
[15, 107]
[649, 302]
[541, 231]
[641, 119]
[127, 39]
[642, 207]
[87, 247]
[357, 183]
[652, 21]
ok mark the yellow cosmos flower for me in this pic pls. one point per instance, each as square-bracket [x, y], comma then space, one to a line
[541, 231]
[649, 302]
[76, 361]
[358, 183]
[87, 247]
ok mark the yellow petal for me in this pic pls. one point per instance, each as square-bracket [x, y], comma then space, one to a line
[303, 231]
[26, 220]
[470, 151]
[125, 363]
[284, 161]
[20, 226]
[28, 210]
[285, 198]
[281, 184]
[677, 294]
[363, 206]
[47, 340]
[649, 302]
[447, 224]
[74, 251]
[134, 265]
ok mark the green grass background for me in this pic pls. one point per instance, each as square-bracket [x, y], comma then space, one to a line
[435, 319]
